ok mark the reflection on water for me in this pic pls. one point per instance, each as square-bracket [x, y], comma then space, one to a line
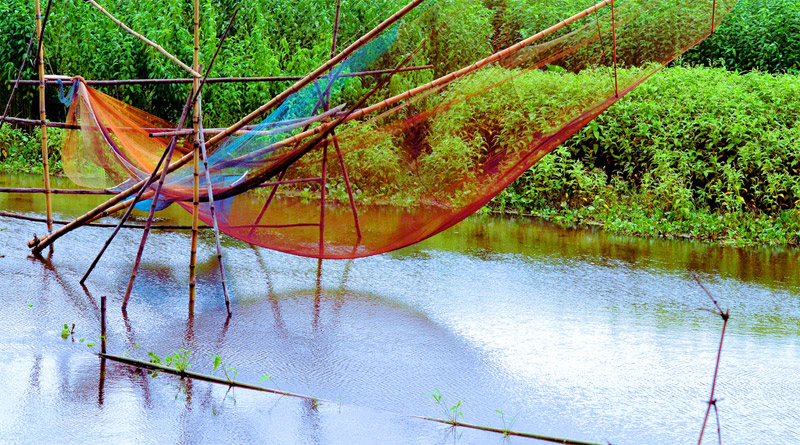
[575, 333]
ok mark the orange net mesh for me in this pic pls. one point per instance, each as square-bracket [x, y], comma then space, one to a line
[415, 159]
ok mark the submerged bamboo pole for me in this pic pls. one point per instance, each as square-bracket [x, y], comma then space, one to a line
[144, 39]
[233, 383]
[195, 158]
[38, 244]
[43, 119]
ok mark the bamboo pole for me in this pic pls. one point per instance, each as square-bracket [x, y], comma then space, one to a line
[144, 39]
[43, 119]
[38, 244]
[58, 191]
[233, 383]
[51, 80]
[195, 159]
[93, 224]
[202, 144]
[103, 324]
[507, 432]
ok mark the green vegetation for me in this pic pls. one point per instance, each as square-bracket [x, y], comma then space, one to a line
[701, 153]
[694, 152]
[21, 150]
[451, 413]
[758, 35]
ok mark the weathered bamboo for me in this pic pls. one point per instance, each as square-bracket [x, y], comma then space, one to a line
[196, 158]
[208, 378]
[316, 73]
[52, 82]
[144, 39]
[93, 224]
[39, 244]
[725, 315]
[58, 191]
[202, 144]
[233, 383]
[103, 324]
[43, 119]
[507, 432]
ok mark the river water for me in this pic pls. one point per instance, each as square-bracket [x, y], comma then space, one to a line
[573, 333]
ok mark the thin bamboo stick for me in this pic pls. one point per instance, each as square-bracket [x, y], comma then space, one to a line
[212, 379]
[52, 82]
[507, 432]
[195, 159]
[58, 191]
[202, 143]
[38, 244]
[43, 119]
[144, 39]
[204, 377]
[93, 224]
[103, 324]
[128, 211]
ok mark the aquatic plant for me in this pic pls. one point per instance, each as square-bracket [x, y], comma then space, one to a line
[452, 413]
[67, 331]
[219, 364]
[507, 424]
[179, 359]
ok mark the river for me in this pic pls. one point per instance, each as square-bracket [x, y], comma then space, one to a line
[571, 332]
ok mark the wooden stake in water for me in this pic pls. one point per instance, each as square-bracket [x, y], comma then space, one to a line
[195, 160]
[103, 324]
[43, 119]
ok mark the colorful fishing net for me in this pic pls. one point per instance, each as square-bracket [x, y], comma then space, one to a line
[415, 158]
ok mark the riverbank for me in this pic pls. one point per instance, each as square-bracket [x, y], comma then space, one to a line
[697, 153]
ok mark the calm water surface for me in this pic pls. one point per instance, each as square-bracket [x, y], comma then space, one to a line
[573, 333]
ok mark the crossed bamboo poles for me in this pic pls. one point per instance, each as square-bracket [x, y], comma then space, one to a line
[312, 137]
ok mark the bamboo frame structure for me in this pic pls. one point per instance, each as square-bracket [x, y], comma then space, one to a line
[37, 244]
[193, 98]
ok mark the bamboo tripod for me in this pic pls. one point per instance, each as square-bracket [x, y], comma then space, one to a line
[197, 134]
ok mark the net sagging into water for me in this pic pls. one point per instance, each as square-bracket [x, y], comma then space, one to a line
[421, 154]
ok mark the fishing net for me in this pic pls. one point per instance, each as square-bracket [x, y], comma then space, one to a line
[420, 154]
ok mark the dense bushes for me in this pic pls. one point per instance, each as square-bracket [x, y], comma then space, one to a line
[758, 35]
[691, 151]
